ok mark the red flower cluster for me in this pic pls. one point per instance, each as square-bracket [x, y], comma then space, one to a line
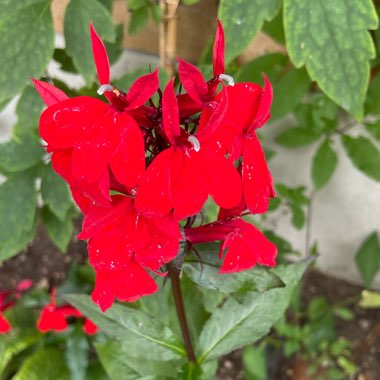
[54, 318]
[8, 298]
[137, 168]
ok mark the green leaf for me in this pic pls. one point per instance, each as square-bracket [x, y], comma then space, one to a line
[28, 111]
[242, 20]
[79, 14]
[330, 38]
[363, 154]
[190, 2]
[372, 101]
[236, 324]
[26, 44]
[367, 259]
[65, 61]
[120, 366]
[55, 193]
[289, 91]
[275, 28]
[156, 11]
[374, 129]
[324, 164]
[60, 231]
[344, 313]
[146, 336]
[296, 137]
[139, 20]
[18, 203]
[13, 344]
[45, 363]
[19, 155]
[370, 300]
[136, 4]
[255, 363]
[298, 216]
[76, 353]
[206, 275]
[115, 49]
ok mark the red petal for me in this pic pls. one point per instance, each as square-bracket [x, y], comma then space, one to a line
[243, 103]
[187, 106]
[248, 247]
[142, 89]
[51, 320]
[110, 252]
[153, 195]
[189, 192]
[192, 80]
[100, 57]
[170, 113]
[71, 121]
[126, 285]
[4, 325]
[222, 179]
[100, 218]
[257, 180]
[153, 246]
[211, 118]
[128, 162]
[69, 311]
[90, 327]
[218, 51]
[50, 94]
[263, 111]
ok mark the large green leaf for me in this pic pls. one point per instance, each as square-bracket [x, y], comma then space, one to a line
[60, 231]
[79, 14]
[374, 129]
[120, 366]
[330, 38]
[289, 91]
[206, 275]
[76, 353]
[18, 202]
[13, 344]
[45, 363]
[324, 164]
[242, 19]
[297, 136]
[363, 154]
[146, 336]
[55, 193]
[368, 258]
[28, 111]
[26, 43]
[241, 322]
[20, 154]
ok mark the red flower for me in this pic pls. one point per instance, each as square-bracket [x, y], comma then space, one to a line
[248, 109]
[54, 318]
[246, 246]
[121, 243]
[199, 92]
[182, 176]
[8, 298]
[4, 325]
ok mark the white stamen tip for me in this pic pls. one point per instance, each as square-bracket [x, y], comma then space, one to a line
[227, 78]
[195, 142]
[103, 88]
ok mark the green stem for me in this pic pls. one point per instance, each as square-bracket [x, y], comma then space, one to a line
[174, 273]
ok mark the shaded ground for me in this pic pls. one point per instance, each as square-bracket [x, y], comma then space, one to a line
[46, 266]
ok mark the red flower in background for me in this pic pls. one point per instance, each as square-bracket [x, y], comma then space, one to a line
[54, 318]
[8, 298]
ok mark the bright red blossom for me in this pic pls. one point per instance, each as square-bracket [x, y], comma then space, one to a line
[163, 159]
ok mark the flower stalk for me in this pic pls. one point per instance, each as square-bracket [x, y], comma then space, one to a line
[174, 273]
